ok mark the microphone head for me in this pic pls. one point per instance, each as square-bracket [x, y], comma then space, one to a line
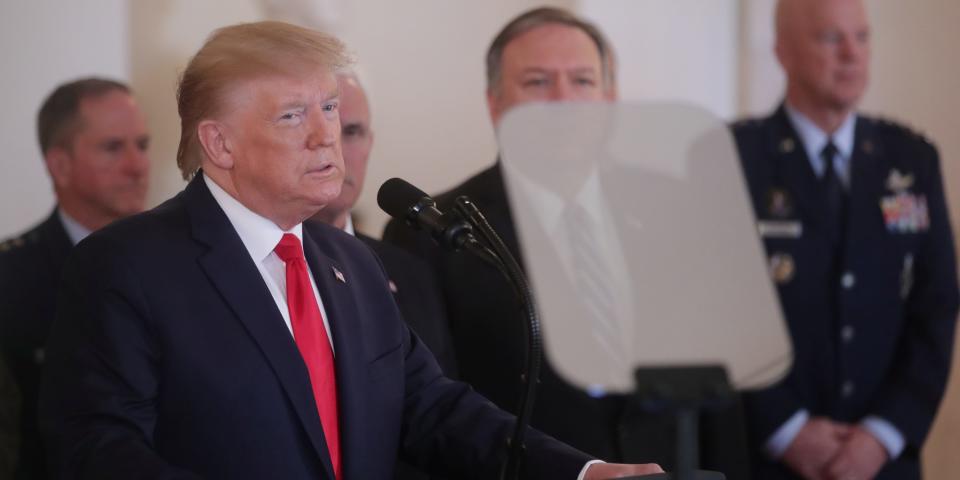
[397, 197]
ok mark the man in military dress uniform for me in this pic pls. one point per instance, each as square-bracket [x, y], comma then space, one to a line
[852, 214]
[94, 140]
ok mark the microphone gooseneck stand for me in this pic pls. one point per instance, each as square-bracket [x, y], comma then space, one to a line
[455, 231]
[509, 266]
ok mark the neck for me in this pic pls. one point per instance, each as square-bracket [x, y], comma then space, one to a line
[90, 219]
[337, 219]
[255, 203]
[826, 117]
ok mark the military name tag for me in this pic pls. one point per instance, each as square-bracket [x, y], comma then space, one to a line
[779, 229]
[905, 213]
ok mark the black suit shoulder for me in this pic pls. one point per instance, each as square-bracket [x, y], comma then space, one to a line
[485, 189]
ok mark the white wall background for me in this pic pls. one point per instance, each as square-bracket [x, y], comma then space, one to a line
[648, 35]
[44, 43]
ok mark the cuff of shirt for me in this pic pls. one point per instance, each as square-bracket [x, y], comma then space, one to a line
[780, 441]
[885, 433]
[583, 471]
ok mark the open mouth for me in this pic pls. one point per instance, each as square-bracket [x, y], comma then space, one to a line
[324, 170]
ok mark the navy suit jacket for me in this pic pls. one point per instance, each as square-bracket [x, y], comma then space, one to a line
[169, 359]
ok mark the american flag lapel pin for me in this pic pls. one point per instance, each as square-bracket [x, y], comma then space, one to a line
[339, 275]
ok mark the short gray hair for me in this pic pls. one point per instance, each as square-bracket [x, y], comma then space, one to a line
[539, 17]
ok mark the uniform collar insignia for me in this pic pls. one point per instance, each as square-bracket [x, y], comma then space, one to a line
[787, 145]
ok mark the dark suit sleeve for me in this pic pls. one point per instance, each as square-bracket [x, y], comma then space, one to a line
[98, 410]
[912, 392]
[448, 426]
[450, 430]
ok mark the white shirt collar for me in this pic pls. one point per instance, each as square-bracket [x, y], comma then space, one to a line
[814, 140]
[259, 234]
[75, 231]
[348, 227]
[550, 206]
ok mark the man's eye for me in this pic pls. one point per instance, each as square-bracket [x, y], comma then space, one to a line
[535, 82]
[113, 147]
[289, 116]
[830, 37]
[354, 131]
[143, 144]
[585, 81]
[330, 107]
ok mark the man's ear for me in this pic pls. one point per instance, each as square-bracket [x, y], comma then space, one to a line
[215, 144]
[493, 106]
[59, 165]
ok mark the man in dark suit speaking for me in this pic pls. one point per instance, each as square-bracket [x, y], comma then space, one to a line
[214, 337]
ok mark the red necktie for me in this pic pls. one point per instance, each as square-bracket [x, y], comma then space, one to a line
[311, 338]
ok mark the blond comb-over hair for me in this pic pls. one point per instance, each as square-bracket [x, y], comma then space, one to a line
[240, 53]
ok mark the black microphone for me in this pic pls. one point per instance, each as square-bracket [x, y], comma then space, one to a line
[402, 200]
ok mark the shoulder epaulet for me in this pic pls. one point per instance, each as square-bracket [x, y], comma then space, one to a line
[896, 128]
[747, 123]
[13, 243]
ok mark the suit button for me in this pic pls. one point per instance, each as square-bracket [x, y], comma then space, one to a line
[848, 280]
[847, 389]
[846, 333]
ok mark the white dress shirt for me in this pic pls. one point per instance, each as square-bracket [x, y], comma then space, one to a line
[260, 236]
[614, 334]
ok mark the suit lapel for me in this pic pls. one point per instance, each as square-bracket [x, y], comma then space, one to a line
[229, 267]
[500, 214]
[335, 287]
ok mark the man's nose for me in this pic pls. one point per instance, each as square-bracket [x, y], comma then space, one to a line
[136, 162]
[324, 131]
[561, 91]
[851, 48]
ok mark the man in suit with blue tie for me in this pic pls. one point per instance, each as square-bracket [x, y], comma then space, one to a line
[215, 337]
[854, 220]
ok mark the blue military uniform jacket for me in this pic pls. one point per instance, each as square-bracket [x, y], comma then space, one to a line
[872, 321]
[30, 267]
